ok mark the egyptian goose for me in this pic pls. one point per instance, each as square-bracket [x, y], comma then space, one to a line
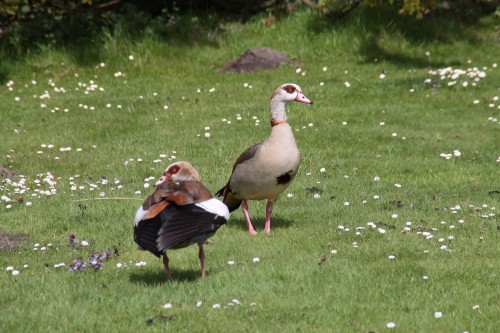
[181, 212]
[265, 170]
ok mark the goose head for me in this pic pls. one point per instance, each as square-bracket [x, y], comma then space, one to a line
[290, 92]
[179, 172]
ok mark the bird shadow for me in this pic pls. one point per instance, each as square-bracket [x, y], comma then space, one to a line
[159, 277]
[258, 223]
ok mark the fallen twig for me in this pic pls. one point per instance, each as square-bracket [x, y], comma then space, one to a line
[80, 200]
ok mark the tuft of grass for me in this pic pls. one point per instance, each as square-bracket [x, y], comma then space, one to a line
[377, 227]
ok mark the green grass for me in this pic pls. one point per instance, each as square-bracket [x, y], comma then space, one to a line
[298, 285]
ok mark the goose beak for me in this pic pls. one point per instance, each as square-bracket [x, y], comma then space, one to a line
[303, 99]
[161, 180]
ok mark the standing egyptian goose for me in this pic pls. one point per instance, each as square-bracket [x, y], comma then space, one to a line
[265, 170]
[181, 212]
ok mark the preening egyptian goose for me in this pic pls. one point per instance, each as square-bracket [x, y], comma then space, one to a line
[265, 170]
[181, 212]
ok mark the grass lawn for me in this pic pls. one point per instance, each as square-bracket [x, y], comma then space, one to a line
[391, 221]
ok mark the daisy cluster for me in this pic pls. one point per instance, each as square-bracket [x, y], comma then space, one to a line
[455, 76]
[25, 190]
[442, 232]
[232, 262]
[436, 314]
[441, 236]
[50, 150]
[215, 306]
[44, 96]
[465, 78]
[493, 104]
[484, 210]
[15, 271]
[448, 156]
[95, 260]
[407, 227]
[131, 263]
[88, 87]
[42, 247]
[76, 184]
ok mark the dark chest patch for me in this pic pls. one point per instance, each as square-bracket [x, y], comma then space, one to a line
[284, 178]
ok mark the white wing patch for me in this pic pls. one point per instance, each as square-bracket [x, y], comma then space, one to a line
[214, 206]
[139, 215]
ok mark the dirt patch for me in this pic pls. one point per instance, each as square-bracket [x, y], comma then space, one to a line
[6, 173]
[254, 59]
[11, 241]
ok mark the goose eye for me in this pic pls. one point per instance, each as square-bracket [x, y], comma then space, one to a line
[174, 170]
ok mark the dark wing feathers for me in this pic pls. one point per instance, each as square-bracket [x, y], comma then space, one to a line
[231, 201]
[173, 219]
[221, 191]
[248, 154]
[146, 234]
[185, 225]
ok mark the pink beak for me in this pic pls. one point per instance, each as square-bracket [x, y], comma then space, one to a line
[303, 99]
[161, 180]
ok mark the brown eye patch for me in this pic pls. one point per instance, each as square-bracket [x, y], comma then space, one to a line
[174, 169]
[289, 89]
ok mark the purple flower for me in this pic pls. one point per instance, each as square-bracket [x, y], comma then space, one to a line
[95, 261]
[105, 255]
[77, 265]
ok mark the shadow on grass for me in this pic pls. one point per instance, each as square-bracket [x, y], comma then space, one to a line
[4, 73]
[88, 42]
[379, 29]
[373, 48]
[258, 223]
[159, 277]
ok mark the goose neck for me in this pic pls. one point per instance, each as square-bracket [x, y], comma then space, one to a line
[277, 109]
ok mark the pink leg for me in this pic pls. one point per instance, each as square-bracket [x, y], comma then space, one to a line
[167, 269]
[201, 255]
[244, 206]
[269, 211]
